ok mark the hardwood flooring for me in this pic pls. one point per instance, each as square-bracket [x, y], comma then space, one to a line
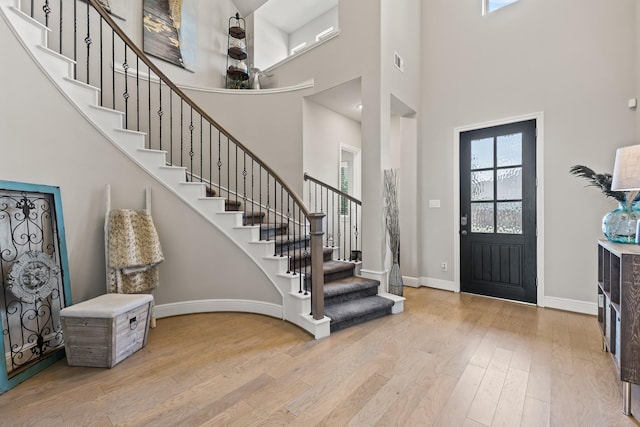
[448, 360]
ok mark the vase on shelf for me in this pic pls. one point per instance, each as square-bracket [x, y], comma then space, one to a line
[619, 225]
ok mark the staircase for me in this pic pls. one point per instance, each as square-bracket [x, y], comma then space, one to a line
[348, 299]
[270, 244]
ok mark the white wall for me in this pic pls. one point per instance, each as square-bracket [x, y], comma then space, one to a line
[44, 140]
[267, 123]
[575, 63]
[324, 131]
[270, 44]
[307, 33]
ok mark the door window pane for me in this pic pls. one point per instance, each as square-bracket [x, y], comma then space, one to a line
[482, 218]
[509, 217]
[482, 153]
[481, 186]
[509, 150]
[509, 184]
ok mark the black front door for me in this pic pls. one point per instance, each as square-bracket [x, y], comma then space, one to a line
[498, 211]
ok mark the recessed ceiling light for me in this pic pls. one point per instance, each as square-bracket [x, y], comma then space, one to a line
[359, 106]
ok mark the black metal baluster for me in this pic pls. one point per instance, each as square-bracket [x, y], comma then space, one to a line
[138, 96]
[47, 10]
[160, 112]
[113, 69]
[171, 125]
[149, 102]
[291, 260]
[87, 40]
[101, 65]
[219, 164]
[275, 210]
[182, 137]
[201, 152]
[60, 29]
[244, 186]
[235, 172]
[191, 152]
[355, 232]
[253, 200]
[125, 95]
[333, 222]
[75, 37]
[268, 206]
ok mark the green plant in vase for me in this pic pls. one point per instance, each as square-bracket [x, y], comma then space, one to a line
[619, 225]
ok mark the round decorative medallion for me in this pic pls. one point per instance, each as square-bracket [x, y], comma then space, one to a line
[33, 276]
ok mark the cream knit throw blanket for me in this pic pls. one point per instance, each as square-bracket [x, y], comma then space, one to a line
[134, 252]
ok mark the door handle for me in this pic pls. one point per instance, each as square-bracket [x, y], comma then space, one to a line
[463, 232]
[463, 220]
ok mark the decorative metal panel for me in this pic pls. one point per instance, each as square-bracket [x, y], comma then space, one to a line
[34, 281]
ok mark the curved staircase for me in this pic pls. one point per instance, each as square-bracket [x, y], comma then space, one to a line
[280, 255]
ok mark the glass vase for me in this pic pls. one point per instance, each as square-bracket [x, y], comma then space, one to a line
[619, 225]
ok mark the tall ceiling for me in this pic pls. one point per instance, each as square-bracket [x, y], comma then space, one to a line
[288, 15]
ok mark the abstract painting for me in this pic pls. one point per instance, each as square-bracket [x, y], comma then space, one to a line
[169, 31]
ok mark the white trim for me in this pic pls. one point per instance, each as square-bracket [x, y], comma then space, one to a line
[539, 118]
[380, 276]
[144, 76]
[572, 305]
[270, 68]
[412, 282]
[398, 301]
[445, 285]
[217, 305]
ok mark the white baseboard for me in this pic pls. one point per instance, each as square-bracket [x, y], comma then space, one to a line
[412, 282]
[445, 285]
[571, 305]
[208, 306]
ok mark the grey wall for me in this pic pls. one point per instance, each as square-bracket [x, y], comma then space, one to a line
[574, 62]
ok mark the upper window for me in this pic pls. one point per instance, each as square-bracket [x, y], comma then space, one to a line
[489, 6]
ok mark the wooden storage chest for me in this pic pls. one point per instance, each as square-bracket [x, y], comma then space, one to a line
[105, 330]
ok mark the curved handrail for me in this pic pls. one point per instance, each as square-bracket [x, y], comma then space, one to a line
[165, 80]
[190, 137]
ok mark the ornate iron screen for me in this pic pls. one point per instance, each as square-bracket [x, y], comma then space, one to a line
[34, 283]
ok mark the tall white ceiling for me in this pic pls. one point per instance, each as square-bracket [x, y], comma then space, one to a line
[288, 15]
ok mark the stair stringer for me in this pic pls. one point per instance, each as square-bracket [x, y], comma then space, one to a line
[295, 306]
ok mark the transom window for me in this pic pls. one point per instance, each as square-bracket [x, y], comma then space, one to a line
[489, 6]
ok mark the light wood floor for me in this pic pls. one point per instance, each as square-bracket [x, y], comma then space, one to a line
[448, 360]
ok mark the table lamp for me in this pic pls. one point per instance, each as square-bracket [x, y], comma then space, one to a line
[626, 175]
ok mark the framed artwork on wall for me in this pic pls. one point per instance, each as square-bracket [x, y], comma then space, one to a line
[169, 31]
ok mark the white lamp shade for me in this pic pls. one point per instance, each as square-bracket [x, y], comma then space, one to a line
[626, 169]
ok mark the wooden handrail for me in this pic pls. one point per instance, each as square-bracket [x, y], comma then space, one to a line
[165, 80]
[340, 193]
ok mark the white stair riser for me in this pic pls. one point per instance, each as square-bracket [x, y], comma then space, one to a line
[105, 118]
[210, 206]
[32, 32]
[193, 191]
[246, 234]
[150, 159]
[171, 174]
[82, 94]
[129, 141]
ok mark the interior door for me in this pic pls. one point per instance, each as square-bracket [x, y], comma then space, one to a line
[498, 211]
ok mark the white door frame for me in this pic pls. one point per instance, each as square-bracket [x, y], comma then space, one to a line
[539, 117]
[356, 172]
